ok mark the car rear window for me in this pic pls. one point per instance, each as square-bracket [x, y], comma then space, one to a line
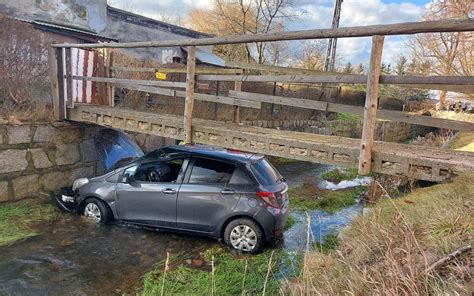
[265, 172]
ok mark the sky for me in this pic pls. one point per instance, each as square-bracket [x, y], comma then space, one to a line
[317, 14]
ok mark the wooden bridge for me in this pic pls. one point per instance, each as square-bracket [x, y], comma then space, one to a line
[419, 162]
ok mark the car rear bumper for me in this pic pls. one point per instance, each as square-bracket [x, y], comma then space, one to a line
[65, 199]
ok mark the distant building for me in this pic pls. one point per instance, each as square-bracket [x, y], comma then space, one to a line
[94, 21]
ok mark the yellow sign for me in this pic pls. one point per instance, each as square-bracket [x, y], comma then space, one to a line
[160, 75]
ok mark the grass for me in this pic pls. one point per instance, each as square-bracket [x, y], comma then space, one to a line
[388, 250]
[348, 116]
[330, 243]
[290, 222]
[337, 175]
[232, 276]
[17, 220]
[276, 160]
[464, 142]
[309, 197]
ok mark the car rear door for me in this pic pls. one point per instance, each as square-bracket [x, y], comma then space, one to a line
[206, 196]
[151, 194]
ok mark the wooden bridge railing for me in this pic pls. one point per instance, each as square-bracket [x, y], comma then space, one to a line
[61, 76]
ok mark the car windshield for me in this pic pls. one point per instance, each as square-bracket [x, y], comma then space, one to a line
[265, 172]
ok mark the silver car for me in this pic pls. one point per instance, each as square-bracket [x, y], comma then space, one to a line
[234, 196]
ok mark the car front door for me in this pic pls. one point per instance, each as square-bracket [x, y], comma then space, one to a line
[205, 195]
[148, 196]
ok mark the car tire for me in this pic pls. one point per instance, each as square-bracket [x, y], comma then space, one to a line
[97, 211]
[244, 235]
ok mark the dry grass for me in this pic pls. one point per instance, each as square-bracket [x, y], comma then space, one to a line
[463, 142]
[387, 251]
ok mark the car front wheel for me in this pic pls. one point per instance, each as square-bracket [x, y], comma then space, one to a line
[244, 235]
[97, 211]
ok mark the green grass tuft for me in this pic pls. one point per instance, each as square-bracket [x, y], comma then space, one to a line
[309, 197]
[290, 222]
[331, 242]
[348, 116]
[337, 175]
[228, 279]
[17, 219]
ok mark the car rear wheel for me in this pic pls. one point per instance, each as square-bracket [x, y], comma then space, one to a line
[97, 211]
[244, 235]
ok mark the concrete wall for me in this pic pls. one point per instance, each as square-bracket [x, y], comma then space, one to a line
[87, 14]
[37, 158]
[389, 131]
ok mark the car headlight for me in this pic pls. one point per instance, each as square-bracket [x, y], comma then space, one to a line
[79, 182]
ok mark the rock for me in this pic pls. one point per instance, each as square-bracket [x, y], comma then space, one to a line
[197, 262]
[19, 134]
[26, 186]
[89, 151]
[4, 191]
[67, 154]
[13, 160]
[67, 242]
[44, 133]
[84, 172]
[40, 159]
[53, 181]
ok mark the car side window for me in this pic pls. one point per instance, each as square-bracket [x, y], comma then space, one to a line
[240, 177]
[159, 171]
[208, 171]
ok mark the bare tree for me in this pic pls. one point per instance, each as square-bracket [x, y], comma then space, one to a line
[310, 55]
[23, 64]
[447, 53]
[239, 17]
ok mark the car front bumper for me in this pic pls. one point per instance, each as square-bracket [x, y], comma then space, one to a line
[65, 199]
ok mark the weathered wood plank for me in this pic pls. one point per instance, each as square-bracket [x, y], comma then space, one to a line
[199, 70]
[360, 31]
[189, 103]
[69, 98]
[53, 77]
[356, 110]
[370, 109]
[237, 87]
[277, 69]
[61, 102]
[287, 101]
[132, 81]
[445, 81]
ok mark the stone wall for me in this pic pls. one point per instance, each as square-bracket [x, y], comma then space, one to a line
[38, 158]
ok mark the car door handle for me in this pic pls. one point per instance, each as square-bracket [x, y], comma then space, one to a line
[228, 191]
[168, 191]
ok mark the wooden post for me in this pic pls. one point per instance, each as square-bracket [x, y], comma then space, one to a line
[189, 103]
[69, 98]
[53, 77]
[61, 107]
[111, 89]
[370, 109]
[237, 87]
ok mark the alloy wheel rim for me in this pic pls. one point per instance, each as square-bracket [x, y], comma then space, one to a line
[243, 238]
[92, 212]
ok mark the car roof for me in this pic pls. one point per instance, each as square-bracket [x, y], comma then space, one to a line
[208, 151]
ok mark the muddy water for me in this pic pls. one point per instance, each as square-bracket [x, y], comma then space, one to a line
[75, 257]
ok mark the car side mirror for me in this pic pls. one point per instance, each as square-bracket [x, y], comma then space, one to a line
[126, 179]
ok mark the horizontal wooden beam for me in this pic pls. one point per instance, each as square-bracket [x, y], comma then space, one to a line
[360, 31]
[132, 81]
[199, 70]
[198, 96]
[356, 110]
[346, 78]
[277, 69]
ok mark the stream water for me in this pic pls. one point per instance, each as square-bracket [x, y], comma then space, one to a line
[75, 257]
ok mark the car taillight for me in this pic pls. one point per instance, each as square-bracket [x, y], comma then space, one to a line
[269, 198]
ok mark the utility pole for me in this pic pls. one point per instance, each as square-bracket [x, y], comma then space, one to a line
[331, 50]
